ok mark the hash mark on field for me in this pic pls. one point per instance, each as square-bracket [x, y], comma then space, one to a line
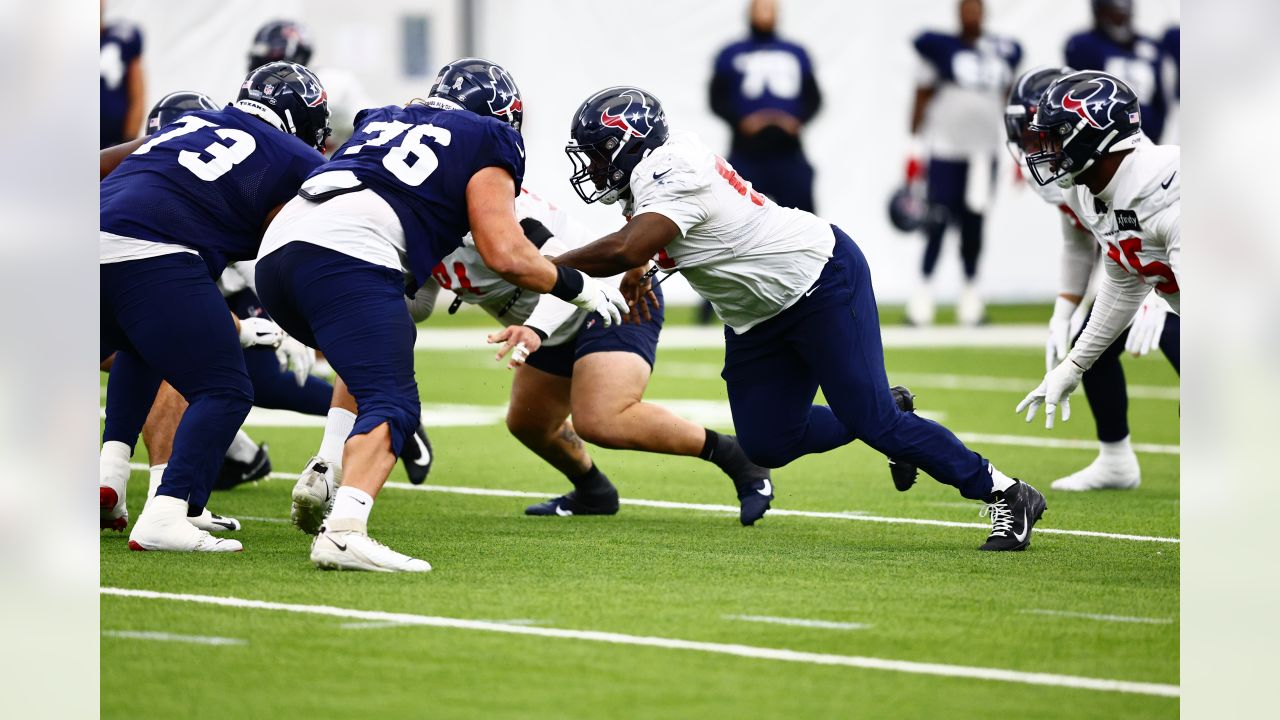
[170, 637]
[799, 622]
[744, 651]
[1103, 618]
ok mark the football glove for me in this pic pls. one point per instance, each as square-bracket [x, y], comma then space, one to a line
[259, 331]
[1054, 391]
[599, 297]
[1148, 326]
[293, 355]
[1063, 326]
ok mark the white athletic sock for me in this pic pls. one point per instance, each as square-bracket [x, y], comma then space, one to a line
[157, 474]
[243, 449]
[113, 465]
[351, 504]
[1118, 450]
[999, 481]
[337, 427]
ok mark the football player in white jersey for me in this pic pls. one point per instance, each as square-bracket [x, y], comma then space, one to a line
[793, 291]
[1127, 192]
[566, 362]
[1104, 384]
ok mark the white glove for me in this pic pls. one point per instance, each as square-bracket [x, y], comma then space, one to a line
[602, 298]
[1148, 326]
[1054, 390]
[293, 354]
[1062, 327]
[255, 331]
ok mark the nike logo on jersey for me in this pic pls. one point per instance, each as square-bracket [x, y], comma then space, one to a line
[1025, 529]
[520, 149]
[1165, 185]
[812, 289]
[659, 176]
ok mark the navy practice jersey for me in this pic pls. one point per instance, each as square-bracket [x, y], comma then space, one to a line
[987, 65]
[761, 73]
[1138, 65]
[207, 181]
[119, 44]
[420, 159]
[1172, 46]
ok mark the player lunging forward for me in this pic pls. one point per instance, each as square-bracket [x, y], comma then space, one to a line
[1127, 191]
[793, 291]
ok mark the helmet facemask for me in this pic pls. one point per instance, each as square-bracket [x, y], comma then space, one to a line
[596, 177]
[1050, 162]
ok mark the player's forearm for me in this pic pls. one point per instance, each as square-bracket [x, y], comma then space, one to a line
[110, 158]
[549, 314]
[1079, 255]
[1113, 310]
[608, 256]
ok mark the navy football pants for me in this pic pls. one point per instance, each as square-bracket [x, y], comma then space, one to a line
[355, 312]
[166, 319]
[831, 339]
[1104, 383]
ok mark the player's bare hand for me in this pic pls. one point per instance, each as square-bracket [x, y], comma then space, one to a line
[519, 340]
[638, 290]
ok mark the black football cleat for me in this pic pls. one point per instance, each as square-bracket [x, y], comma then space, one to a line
[417, 457]
[904, 473]
[567, 505]
[754, 497]
[1013, 514]
[234, 472]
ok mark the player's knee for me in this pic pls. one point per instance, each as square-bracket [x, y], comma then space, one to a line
[528, 430]
[598, 431]
[765, 451]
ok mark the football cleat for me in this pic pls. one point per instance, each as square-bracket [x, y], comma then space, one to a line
[163, 526]
[903, 473]
[1103, 474]
[567, 505]
[417, 457]
[920, 307]
[313, 495]
[344, 545]
[754, 499]
[213, 522]
[235, 473]
[970, 310]
[1013, 514]
[112, 514]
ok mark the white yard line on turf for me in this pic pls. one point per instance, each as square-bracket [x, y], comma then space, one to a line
[746, 651]
[860, 515]
[386, 624]
[1102, 618]
[170, 637]
[799, 622]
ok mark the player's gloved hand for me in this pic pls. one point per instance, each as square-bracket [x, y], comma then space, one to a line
[1062, 327]
[259, 331]
[1055, 390]
[603, 298]
[1148, 326]
[292, 354]
[915, 161]
[521, 340]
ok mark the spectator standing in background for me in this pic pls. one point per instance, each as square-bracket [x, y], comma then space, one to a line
[121, 88]
[764, 87]
[1113, 47]
[956, 123]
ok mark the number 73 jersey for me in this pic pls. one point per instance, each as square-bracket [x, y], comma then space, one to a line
[1137, 219]
[419, 159]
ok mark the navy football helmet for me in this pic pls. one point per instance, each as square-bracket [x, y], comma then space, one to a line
[483, 87]
[1024, 98]
[175, 105]
[1080, 118]
[612, 131]
[290, 97]
[280, 40]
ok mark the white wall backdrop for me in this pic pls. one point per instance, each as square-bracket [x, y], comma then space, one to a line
[560, 51]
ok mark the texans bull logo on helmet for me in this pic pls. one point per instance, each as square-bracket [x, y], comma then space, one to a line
[634, 118]
[1092, 105]
[505, 102]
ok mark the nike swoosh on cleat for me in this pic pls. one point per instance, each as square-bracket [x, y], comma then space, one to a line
[1165, 185]
[225, 524]
[1025, 529]
[562, 512]
[768, 488]
[339, 545]
[424, 455]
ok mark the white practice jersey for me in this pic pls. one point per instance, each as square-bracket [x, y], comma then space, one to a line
[464, 273]
[748, 257]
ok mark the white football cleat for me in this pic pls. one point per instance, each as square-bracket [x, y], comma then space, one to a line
[112, 513]
[920, 307]
[163, 526]
[313, 494]
[212, 522]
[113, 481]
[970, 310]
[344, 544]
[1113, 473]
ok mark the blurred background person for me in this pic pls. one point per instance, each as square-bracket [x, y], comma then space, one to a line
[764, 88]
[122, 88]
[956, 123]
[1114, 47]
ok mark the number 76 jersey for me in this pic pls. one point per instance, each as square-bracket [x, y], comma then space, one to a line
[419, 159]
[1137, 221]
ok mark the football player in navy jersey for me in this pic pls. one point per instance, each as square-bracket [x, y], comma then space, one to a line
[173, 212]
[1113, 47]
[121, 87]
[955, 123]
[336, 263]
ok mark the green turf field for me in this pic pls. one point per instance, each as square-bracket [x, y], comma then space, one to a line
[874, 591]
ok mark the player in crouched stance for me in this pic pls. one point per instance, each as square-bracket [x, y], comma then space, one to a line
[1127, 192]
[793, 291]
[566, 361]
[397, 198]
